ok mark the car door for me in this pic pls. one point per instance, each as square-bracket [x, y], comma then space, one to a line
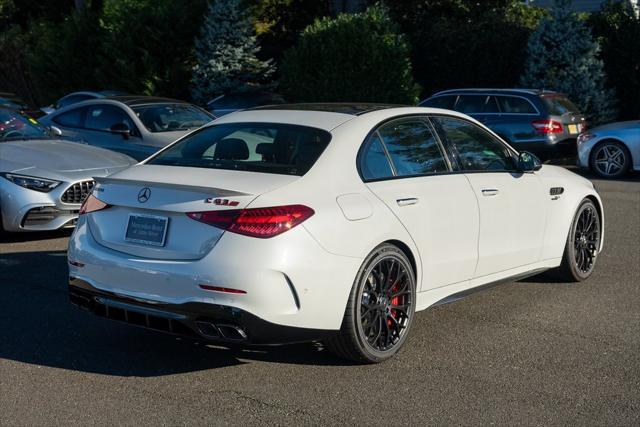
[404, 165]
[512, 204]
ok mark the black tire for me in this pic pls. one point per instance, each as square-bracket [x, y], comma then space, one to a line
[390, 298]
[581, 248]
[616, 152]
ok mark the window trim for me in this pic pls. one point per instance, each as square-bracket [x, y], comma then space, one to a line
[375, 130]
[501, 113]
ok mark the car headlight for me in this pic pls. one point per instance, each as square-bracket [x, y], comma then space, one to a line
[32, 182]
[584, 137]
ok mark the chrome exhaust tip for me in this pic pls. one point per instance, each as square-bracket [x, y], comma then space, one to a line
[232, 332]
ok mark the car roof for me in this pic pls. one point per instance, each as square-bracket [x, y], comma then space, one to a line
[494, 91]
[136, 100]
[352, 109]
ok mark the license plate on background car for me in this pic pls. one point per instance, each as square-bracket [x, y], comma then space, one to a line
[573, 128]
[147, 229]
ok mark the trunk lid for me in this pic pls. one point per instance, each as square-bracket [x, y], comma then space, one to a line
[168, 193]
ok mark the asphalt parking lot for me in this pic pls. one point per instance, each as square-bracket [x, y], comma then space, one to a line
[530, 352]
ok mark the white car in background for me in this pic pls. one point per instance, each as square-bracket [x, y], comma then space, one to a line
[325, 222]
[611, 150]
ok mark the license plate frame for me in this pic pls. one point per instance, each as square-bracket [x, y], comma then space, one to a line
[136, 235]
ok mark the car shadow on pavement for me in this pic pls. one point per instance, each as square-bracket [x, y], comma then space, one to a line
[39, 326]
[31, 236]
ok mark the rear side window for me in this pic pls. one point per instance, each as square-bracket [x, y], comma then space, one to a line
[515, 105]
[475, 149]
[73, 118]
[256, 147]
[412, 147]
[558, 105]
[445, 102]
[375, 163]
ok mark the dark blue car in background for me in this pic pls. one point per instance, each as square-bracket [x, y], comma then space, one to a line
[543, 122]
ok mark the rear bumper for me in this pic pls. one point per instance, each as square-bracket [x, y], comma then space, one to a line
[203, 321]
[563, 147]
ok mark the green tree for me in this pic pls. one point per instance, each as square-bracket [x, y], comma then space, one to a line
[354, 57]
[563, 56]
[617, 27]
[464, 43]
[148, 45]
[226, 52]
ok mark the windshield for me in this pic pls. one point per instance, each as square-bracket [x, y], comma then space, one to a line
[171, 117]
[257, 147]
[559, 105]
[16, 126]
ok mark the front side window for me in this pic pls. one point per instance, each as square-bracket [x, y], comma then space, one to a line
[103, 117]
[475, 149]
[412, 147]
[171, 117]
[257, 147]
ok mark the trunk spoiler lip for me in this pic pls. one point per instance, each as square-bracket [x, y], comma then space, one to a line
[218, 192]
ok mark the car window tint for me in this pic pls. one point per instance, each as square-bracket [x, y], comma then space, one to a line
[445, 102]
[412, 147]
[72, 118]
[103, 117]
[476, 149]
[515, 105]
[470, 104]
[375, 163]
[491, 106]
[558, 105]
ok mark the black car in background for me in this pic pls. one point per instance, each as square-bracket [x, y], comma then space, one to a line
[543, 122]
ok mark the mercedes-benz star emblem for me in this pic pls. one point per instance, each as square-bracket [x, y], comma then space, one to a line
[144, 194]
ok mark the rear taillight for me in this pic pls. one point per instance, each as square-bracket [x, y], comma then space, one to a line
[547, 126]
[256, 222]
[92, 204]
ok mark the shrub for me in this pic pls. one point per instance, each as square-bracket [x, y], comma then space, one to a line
[617, 27]
[353, 57]
[563, 56]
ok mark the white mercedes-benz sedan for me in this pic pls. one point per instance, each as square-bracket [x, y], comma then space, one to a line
[328, 222]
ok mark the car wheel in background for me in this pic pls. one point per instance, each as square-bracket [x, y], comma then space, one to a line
[610, 159]
[583, 243]
[380, 309]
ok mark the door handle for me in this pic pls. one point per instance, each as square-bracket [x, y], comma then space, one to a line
[407, 202]
[490, 192]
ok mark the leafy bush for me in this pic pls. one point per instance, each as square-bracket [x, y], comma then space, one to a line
[617, 27]
[563, 56]
[353, 57]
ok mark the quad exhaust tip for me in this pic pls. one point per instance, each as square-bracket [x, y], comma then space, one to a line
[221, 330]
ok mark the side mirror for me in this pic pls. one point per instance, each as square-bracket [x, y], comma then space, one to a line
[54, 131]
[121, 129]
[527, 162]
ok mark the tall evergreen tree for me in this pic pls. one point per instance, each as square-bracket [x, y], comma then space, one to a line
[226, 51]
[563, 56]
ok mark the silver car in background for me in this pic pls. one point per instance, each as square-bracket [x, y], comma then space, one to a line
[43, 180]
[611, 150]
[137, 126]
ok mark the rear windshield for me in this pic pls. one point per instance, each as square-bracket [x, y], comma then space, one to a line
[558, 105]
[256, 147]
